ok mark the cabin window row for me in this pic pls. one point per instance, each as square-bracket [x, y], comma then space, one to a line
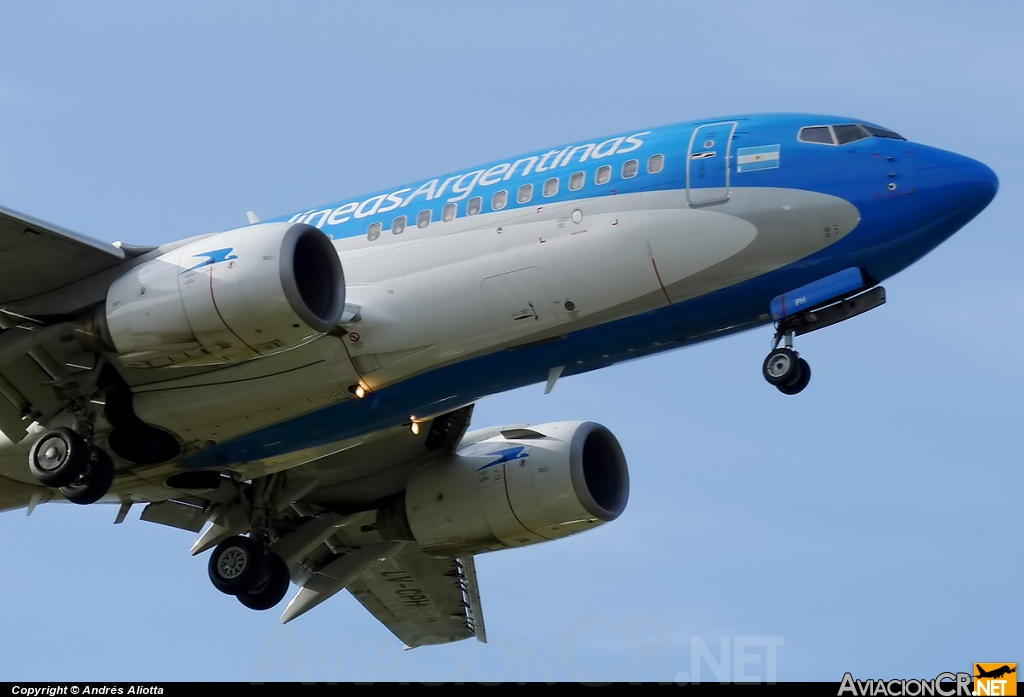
[499, 200]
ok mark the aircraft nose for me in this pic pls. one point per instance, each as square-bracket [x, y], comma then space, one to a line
[955, 184]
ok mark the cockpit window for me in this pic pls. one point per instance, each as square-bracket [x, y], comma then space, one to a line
[817, 134]
[844, 133]
[882, 132]
[847, 133]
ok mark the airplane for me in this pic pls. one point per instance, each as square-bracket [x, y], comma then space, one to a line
[298, 391]
[996, 672]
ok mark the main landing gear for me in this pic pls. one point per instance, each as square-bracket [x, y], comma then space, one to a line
[247, 569]
[244, 566]
[64, 459]
[67, 458]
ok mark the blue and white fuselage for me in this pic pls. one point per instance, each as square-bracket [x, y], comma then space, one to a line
[588, 254]
[549, 264]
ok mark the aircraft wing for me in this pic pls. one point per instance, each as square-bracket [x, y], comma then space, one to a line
[38, 257]
[332, 541]
[423, 600]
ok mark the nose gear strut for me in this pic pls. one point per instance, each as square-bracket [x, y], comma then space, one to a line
[783, 368]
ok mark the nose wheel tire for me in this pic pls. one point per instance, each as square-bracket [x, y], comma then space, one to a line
[781, 367]
[59, 457]
[272, 588]
[784, 369]
[801, 382]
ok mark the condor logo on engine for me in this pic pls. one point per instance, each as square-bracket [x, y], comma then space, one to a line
[506, 455]
[213, 257]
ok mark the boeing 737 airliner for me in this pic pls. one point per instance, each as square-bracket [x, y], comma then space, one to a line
[302, 388]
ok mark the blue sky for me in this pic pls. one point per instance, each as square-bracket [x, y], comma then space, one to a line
[869, 525]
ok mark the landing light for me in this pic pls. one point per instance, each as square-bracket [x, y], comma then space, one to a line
[415, 428]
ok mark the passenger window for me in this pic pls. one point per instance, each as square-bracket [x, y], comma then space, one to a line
[525, 193]
[655, 164]
[849, 133]
[551, 187]
[629, 169]
[499, 200]
[474, 205]
[398, 226]
[604, 174]
[373, 232]
[576, 181]
[423, 219]
[448, 213]
[816, 134]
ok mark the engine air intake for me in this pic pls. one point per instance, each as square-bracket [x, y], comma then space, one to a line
[311, 276]
[603, 466]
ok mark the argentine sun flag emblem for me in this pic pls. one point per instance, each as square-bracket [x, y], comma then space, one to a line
[760, 157]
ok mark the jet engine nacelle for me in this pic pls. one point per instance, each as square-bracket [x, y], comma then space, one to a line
[512, 486]
[229, 297]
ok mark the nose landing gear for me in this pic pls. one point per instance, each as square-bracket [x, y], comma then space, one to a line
[785, 369]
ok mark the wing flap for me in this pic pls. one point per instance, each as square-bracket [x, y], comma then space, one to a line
[175, 514]
[39, 257]
[421, 599]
